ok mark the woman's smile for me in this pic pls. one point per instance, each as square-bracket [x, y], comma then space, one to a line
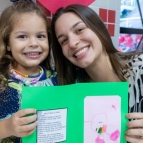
[81, 53]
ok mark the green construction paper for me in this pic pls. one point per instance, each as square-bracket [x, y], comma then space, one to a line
[72, 98]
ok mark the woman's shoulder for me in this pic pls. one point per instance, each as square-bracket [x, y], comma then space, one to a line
[136, 62]
[135, 65]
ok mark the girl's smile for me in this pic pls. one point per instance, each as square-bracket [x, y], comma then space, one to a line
[28, 42]
[33, 55]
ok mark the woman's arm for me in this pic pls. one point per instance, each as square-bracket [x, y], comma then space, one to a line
[134, 134]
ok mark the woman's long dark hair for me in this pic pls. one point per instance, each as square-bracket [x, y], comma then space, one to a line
[69, 73]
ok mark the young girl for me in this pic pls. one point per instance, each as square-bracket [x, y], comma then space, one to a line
[24, 58]
[84, 52]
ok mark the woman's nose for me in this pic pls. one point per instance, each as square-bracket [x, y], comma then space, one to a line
[74, 41]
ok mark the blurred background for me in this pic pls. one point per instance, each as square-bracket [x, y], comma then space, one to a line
[131, 25]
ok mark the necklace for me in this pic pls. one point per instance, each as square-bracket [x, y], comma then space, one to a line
[28, 76]
[23, 80]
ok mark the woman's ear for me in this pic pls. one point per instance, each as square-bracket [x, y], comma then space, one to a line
[8, 48]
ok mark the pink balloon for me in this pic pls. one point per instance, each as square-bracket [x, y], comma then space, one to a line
[53, 5]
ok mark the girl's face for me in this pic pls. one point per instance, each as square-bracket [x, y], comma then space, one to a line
[80, 45]
[28, 42]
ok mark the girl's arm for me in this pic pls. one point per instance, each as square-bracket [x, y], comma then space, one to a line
[3, 129]
[19, 124]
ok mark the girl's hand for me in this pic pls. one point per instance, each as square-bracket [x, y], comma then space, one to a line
[20, 125]
[134, 134]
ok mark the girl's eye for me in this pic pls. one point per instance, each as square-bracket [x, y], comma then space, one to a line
[41, 36]
[22, 37]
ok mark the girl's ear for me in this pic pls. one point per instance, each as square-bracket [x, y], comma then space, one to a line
[8, 48]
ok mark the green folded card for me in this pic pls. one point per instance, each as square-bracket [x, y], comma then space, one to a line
[78, 113]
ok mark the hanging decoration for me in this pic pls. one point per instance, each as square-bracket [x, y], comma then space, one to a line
[53, 5]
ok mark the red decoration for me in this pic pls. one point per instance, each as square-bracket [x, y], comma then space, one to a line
[111, 16]
[109, 19]
[111, 29]
[103, 14]
[53, 5]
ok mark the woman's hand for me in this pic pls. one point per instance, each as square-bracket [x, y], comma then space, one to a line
[134, 134]
[20, 125]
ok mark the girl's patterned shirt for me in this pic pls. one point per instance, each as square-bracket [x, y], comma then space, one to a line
[10, 99]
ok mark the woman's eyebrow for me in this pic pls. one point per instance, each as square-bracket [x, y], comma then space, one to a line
[70, 28]
[76, 24]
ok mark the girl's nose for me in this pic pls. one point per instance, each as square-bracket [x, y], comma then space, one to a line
[33, 42]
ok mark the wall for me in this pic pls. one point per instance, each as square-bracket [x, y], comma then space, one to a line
[109, 11]
[4, 4]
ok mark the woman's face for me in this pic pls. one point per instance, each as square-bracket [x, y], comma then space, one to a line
[80, 45]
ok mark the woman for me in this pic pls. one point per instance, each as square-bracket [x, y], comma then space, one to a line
[84, 52]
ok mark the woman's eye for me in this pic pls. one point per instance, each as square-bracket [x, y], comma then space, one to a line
[79, 30]
[63, 41]
[22, 36]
